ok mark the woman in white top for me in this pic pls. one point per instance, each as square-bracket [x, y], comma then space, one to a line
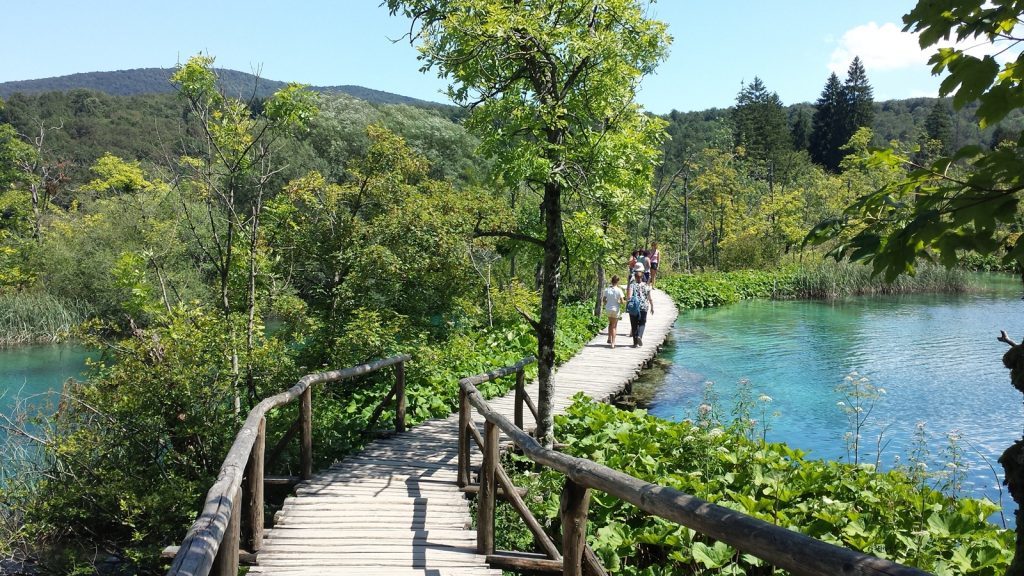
[613, 299]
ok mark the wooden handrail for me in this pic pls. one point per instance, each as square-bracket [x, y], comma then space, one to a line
[198, 552]
[798, 553]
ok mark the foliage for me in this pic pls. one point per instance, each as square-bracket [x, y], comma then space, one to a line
[389, 238]
[885, 514]
[966, 202]
[123, 252]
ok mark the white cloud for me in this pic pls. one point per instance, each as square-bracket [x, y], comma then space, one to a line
[884, 47]
[888, 47]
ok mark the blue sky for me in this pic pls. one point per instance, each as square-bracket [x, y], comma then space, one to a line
[791, 45]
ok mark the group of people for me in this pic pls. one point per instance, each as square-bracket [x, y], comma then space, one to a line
[643, 270]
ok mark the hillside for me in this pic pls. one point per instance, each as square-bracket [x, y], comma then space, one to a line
[143, 81]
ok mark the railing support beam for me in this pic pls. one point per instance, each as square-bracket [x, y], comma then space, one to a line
[488, 476]
[400, 397]
[226, 561]
[306, 430]
[253, 488]
[573, 508]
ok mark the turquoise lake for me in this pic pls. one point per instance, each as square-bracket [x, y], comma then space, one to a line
[936, 357]
[26, 372]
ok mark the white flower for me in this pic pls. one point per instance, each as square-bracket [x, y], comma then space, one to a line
[704, 409]
[840, 403]
[715, 432]
[765, 398]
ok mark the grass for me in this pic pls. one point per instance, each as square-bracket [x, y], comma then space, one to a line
[31, 317]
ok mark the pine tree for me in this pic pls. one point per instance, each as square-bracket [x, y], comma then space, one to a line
[860, 104]
[939, 126]
[800, 131]
[840, 111]
[759, 123]
[827, 124]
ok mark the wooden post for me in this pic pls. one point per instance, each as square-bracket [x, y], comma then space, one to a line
[573, 511]
[485, 507]
[253, 493]
[226, 562]
[400, 397]
[306, 430]
[465, 421]
[520, 393]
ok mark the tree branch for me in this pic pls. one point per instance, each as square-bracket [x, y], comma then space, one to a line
[529, 319]
[1003, 337]
[478, 233]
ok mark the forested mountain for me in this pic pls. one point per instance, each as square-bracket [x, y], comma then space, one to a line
[157, 81]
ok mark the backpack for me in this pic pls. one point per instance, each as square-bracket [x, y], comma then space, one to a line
[633, 305]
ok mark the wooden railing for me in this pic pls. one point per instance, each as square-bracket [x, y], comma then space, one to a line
[792, 551]
[212, 544]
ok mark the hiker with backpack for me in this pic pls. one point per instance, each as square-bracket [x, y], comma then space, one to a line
[638, 304]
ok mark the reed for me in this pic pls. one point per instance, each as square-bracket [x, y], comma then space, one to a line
[821, 280]
[829, 279]
[33, 317]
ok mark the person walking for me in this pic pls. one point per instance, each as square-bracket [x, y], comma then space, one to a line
[639, 305]
[613, 299]
[655, 258]
[636, 273]
[643, 258]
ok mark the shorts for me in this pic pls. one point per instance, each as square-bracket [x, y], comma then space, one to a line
[612, 313]
[654, 265]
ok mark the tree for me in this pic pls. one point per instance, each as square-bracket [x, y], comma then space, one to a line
[860, 105]
[759, 123]
[231, 173]
[551, 89]
[826, 126]
[840, 111]
[965, 202]
[800, 130]
[938, 126]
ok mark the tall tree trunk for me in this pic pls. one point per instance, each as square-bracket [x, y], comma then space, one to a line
[250, 335]
[686, 223]
[552, 206]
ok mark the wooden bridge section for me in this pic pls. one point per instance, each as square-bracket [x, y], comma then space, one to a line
[397, 507]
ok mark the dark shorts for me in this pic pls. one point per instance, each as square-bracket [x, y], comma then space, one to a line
[654, 265]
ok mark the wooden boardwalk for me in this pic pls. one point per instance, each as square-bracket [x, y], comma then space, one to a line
[395, 508]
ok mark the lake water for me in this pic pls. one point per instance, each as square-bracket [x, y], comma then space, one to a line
[27, 371]
[936, 357]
